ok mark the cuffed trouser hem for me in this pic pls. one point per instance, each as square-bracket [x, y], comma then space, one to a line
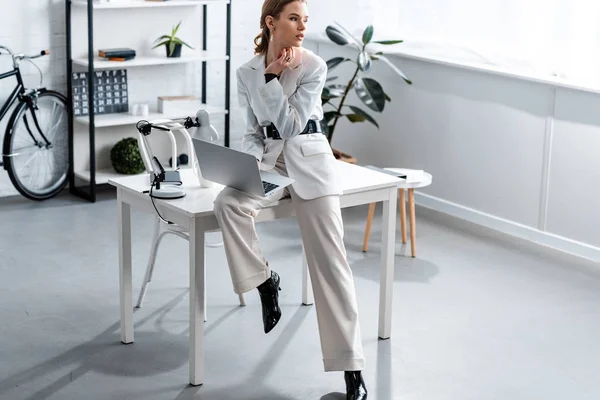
[251, 283]
[345, 364]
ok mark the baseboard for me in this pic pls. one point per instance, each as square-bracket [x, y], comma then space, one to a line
[510, 228]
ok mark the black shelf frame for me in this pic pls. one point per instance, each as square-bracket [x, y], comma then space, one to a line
[90, 193]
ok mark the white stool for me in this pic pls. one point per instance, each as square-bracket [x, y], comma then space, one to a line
[425, 180]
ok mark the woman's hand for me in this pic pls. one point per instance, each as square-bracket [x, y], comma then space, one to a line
[282, 62]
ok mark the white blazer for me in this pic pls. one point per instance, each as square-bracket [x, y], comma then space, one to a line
[289, 103]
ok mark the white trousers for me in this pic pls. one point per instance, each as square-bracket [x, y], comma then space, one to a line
[322, 232]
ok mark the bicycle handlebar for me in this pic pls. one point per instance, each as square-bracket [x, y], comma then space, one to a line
[23, 56]
[42, 53]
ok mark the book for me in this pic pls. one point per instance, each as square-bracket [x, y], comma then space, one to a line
[117, 52]
[120, 58]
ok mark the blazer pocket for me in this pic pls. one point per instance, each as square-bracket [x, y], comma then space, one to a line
[312, 148]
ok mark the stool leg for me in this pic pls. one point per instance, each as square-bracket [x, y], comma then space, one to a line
[402, 205]
[413, 223]
[368, 229]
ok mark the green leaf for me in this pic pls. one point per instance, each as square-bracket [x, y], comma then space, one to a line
[388, 98]
[364, 61]
[367, 34]
[336, 36]
[364, 114]
[355, 118]
[166, 42]
[171, 48]
[336, 90]
[334, 62]
[327, 94]
[396, 69]
[163, 37]
[329, 115]
[371, 93]
[374, 56]
[387, 42]
[177, 40]
[174, 32]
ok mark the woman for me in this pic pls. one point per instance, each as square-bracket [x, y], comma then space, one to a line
[279, 93]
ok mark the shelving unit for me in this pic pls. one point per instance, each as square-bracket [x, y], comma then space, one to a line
[108, 120]
[82, 56]
[145, 61]
[146, 4]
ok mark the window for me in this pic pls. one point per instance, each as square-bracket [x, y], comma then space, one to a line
[538, 36]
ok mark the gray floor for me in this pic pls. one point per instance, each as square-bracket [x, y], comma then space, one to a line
[476, 316]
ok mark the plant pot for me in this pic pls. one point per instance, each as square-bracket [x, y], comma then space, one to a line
[176, 50]
[343, 156]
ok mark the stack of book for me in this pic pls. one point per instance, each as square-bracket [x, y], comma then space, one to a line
[118, 54]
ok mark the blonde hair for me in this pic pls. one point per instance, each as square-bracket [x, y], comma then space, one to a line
[274, 9]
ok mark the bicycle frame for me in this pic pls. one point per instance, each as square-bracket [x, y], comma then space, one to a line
[19, 90]
[19, 94]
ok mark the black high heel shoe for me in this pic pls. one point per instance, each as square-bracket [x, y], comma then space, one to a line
[269, 297]
[355, 386]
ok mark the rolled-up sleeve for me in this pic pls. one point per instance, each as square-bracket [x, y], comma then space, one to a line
[253, 141]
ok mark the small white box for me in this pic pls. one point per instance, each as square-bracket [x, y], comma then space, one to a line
[174, 104]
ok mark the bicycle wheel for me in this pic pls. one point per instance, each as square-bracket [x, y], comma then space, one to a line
[38, 171]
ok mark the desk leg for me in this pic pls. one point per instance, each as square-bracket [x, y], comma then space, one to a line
[125, 286]
[386, 284]
[307, 290]
[197, 301]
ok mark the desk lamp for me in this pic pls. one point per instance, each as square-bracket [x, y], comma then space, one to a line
[205, 132]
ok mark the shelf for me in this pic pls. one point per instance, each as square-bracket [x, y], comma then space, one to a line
[107, 120]
[102, 175]
[143, 61]
[147, 4]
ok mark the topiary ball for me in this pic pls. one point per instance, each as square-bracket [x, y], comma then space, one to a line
[126, 158]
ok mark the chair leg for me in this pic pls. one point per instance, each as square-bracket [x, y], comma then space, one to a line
[368, 228]
[151, 260]
[413, 223]
[402, 206]
[242, 299]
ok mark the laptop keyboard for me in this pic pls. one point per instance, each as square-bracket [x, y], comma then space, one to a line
[267, 186]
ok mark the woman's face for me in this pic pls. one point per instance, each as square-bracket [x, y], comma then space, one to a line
[291, 25]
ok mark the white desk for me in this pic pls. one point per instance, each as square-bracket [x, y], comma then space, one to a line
[195, 213]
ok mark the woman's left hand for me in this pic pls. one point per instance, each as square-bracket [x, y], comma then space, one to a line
[281, 63]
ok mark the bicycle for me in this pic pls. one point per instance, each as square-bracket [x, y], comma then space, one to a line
[35, 151]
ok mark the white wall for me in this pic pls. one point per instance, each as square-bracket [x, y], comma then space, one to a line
[514, 155]
[46, 30]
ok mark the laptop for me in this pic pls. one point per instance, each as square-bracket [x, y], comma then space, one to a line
[237, 169]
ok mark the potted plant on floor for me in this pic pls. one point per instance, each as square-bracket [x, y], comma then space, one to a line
[172, 43]
[368, 90]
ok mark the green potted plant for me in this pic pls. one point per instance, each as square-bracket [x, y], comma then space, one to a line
[368, 90]
[172, 43]
[125, 157]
